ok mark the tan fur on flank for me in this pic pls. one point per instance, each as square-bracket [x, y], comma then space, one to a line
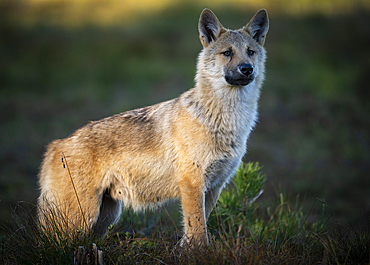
[186, 148]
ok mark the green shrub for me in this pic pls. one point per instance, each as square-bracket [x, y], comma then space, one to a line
[236, 216]
[236, 205]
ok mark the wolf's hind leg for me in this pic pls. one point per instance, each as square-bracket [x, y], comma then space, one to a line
[110, 210]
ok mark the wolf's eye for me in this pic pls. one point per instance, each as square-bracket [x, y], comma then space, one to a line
[227, 53]
[250, 52]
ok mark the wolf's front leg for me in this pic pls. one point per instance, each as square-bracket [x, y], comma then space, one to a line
[211, 197]
[192, 201]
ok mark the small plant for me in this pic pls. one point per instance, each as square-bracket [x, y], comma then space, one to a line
[236, 216]
[236, 205]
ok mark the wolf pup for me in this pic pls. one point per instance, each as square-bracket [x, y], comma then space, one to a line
[186, 148]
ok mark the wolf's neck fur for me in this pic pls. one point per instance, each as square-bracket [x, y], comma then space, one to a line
[222, 107]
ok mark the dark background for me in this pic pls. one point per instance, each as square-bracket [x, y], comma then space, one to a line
[63, 64]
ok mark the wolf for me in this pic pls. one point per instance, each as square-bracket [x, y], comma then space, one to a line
[187, 148]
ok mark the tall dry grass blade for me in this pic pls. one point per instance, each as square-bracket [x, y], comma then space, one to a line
[65, 165]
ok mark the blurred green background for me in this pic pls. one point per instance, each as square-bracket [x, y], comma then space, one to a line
[64, 63]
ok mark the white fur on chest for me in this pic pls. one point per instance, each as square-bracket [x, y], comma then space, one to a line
[239, 114]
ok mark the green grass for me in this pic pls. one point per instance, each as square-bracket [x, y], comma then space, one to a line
[238, 233]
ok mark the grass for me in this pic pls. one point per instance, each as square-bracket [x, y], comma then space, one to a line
[238, 231]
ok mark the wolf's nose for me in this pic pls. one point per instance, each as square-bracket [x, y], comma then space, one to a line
[246, 69]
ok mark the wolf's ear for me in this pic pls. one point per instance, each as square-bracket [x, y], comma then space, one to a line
[209, 27]
[258, 26]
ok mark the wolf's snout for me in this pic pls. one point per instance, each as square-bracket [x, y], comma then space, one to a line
[246, 69]
[242, 75]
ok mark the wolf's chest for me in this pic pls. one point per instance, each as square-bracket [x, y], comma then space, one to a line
[220, 171]
[223, 167]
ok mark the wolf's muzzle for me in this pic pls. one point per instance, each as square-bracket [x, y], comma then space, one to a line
[241, 76]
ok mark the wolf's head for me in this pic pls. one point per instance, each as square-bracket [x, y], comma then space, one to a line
[232, 57]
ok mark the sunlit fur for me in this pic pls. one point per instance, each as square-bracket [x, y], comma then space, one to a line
[187, 148]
